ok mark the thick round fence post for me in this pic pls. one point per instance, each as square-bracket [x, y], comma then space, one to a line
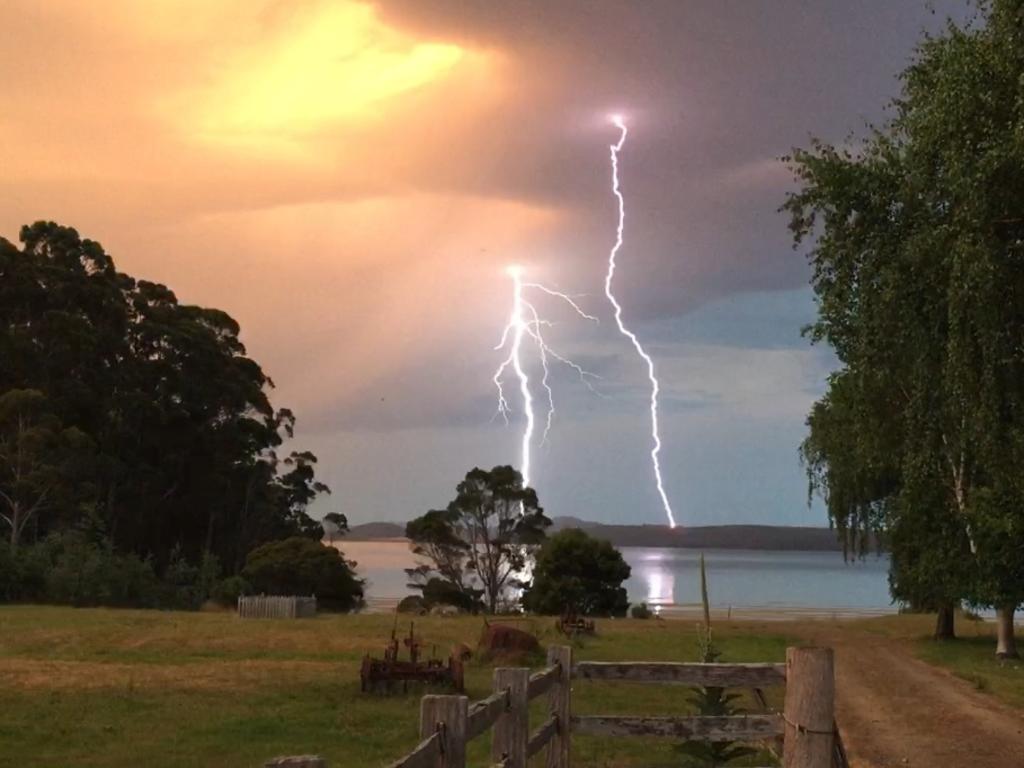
[512, 728]
[558, 699]
[809, 710]
[447, 715]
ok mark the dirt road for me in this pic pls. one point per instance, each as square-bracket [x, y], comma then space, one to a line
[894, 710]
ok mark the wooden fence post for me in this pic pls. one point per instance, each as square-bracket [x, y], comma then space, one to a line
[446, 714]
[558, 699]
[512, 728]
[809, 710]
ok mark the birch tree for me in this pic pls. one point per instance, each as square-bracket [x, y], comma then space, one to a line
[917, 248]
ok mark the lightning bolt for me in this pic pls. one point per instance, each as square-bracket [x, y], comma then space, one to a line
[525, 322]
[655, 435]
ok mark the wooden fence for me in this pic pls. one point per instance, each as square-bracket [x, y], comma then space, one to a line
[806, 725]
[447, 723]
[276, 607]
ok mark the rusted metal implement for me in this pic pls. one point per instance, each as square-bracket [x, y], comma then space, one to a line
[383, 674]
[570, 625]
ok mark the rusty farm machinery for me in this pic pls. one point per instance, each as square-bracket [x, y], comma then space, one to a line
[382, 675]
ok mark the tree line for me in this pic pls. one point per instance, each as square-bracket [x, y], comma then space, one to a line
[917, 249]
[135, 431]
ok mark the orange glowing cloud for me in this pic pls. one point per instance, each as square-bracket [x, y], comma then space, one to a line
[327, 67]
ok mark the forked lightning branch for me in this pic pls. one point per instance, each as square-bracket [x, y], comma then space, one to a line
[526, 323]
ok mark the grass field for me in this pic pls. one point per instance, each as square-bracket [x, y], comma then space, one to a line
[972, 657]
[95, 687]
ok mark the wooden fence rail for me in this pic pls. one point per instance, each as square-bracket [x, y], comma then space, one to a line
[672, 673]
[447, 723]
[807, 722]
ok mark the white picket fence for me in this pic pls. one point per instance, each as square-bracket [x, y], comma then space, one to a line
[276, 607]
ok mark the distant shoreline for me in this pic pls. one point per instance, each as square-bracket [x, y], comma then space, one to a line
[778, 538]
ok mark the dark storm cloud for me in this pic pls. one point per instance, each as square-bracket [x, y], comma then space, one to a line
[716, 91]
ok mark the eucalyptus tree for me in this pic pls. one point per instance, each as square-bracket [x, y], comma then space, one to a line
[487, 534]
[42, 464]
[178, 417]
[918, 267]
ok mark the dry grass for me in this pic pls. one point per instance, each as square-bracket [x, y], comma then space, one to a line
[160, 689]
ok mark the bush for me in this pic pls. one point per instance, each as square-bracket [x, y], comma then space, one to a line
[641, 611]
[81, 567]
[576, 571]
[440, 592]
[301, 566]
[412, 604]
[186, 585]
[22, 575]
[80, 571]
[227, 591]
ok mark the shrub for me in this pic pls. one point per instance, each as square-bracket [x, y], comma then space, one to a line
[576, 571]
[227, 591]
[641, 611]
[301, 566]
[22, 575]
[711, 701]
[441, 592]
[81, 571]
[412, 604]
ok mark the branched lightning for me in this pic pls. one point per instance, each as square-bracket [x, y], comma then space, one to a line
[525, 321]
[655, 435]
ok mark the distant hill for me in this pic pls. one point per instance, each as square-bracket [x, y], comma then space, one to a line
[370, 531]
[769, 537]
[764, 537]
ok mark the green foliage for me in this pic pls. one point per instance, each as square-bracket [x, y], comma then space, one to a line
[436, 538]
[576, 571]
[917, 251]
[83, 572]
[707, 754]
[641, 611]
[42, 464]
[412, 604]
[22, 575]
[441, 592]
[711, 701]
[80, 567]
[484, 536]
[301, 566]
[227, 591]
[188, 585]
[118, 401]
[337, 525]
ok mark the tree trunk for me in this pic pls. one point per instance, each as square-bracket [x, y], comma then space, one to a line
[15, 526]
[944, 622]
[1006, 644]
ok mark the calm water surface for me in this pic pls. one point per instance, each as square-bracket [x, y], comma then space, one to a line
[738, 579]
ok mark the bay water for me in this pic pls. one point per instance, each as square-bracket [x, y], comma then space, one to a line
[749, 583]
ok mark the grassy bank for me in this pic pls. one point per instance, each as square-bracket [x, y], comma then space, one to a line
[94, 687]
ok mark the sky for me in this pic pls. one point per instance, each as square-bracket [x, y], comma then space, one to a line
[351, 179]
